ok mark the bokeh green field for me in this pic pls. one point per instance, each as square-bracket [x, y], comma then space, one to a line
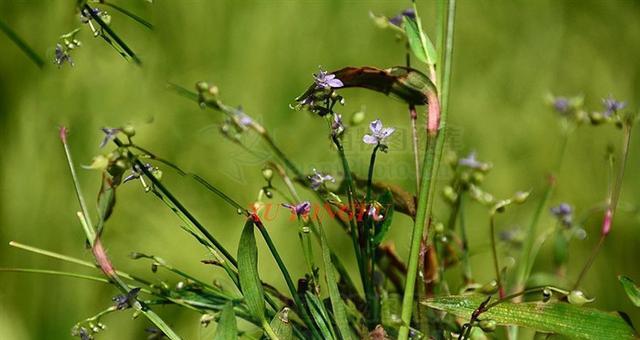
[261, 54]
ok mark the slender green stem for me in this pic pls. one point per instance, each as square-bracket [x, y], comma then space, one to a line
[353, 228]
[300, 307]
[56, 272]
[612, 204]
[89, 231]
[466, 265]
[435, 146]
[370, 251]
[526, 259]
[494, 252]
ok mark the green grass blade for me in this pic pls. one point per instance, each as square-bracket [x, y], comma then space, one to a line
[633, 292]
[15, 38]
[413, 36]
[552, 317]
[227, 326]
[130, 15]
[118, 41]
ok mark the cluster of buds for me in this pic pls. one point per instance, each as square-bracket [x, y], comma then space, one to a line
[321, 96]
[469, 173]
[67, 43]
[572, 108]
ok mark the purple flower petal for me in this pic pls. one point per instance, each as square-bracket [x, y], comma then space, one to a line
[375, 126]
[386, 132]
[368, 139]
[334, 82]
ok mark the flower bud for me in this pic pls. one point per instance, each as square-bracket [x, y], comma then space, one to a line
[520, 197]
[488, 325]
[449, 193]
[438, 228]
[477, 177]
[267, 173]
[489, 287]
[129, 130]
[357, 118]
[546, 294]
[576, 297]
[596, 118]
[202, 86]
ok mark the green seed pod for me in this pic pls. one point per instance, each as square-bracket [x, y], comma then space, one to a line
[546, 294]
[520, 197]
[576, 297]
[450, 194]
[129, 130]
[438, 228]
[488, 325]
[267, 173]
[477, 177]
[596, 118]
[202, 86]
[489, 287]
[357, 118]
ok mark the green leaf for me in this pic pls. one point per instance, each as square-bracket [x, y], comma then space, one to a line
[413, 36]
[227, 326]
[552, 317]
[320, 316]
[248, 271]
[633, 292]
[281, 325]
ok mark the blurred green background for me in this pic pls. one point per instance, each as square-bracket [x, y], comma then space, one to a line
[261, 54]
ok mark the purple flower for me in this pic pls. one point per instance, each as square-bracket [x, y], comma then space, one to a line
[397, 20]
[378, 133]
[109, 134]
[61, 56]
[300, 209]
[612, 106]
[326, 80]
[374, 214]
[243, 118]
[317, 179]
[564, 213]
[337, 127]
[472, 162]
[85, 15]
[125, 301]
[561, 105]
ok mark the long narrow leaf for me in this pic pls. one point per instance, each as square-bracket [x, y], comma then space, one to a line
[227, 326]
[552, 317]
[248, 271]
[319, 316]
